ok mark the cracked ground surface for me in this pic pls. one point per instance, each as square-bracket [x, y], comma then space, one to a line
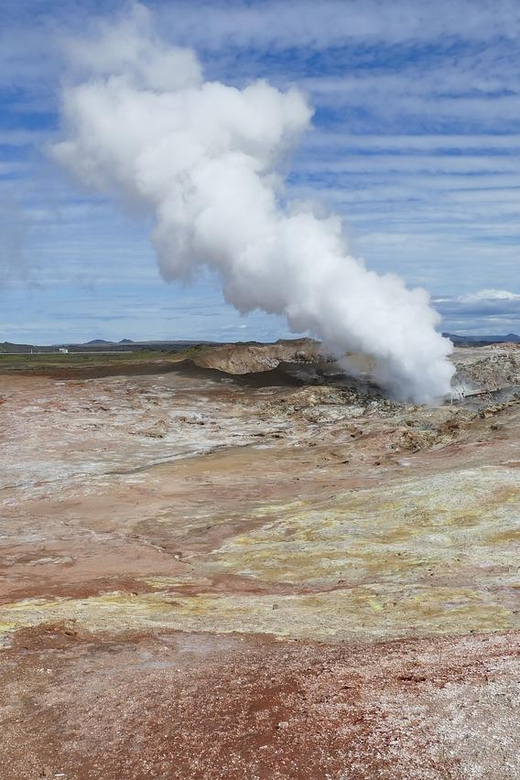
[209, 578]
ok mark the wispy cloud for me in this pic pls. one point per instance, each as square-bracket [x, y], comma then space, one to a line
[484, 312]
[416, 143]
[335, 22]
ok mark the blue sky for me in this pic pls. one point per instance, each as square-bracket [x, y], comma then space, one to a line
[415, 142]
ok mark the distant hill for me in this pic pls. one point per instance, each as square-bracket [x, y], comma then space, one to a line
[482, 341]
[7, 347]
[99, 345]
[127, 345]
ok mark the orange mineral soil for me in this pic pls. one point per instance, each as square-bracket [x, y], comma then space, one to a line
[253, 568]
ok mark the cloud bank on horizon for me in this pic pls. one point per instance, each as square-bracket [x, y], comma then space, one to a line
[204, 159]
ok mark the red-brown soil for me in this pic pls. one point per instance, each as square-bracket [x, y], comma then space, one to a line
[199, 706]
[205, 579]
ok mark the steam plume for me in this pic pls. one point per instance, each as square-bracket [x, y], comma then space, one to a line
[202, 158]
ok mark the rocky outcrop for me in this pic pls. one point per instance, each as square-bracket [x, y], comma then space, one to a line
[487, 369]
[252, 358]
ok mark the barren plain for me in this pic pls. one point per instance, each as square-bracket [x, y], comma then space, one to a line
[246, 565]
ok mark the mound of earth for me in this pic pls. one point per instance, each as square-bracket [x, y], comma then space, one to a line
[488, 369]
[255, 358]
[478, 369]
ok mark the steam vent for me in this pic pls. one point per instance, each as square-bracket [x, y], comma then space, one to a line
[239, 561]
[259, 390]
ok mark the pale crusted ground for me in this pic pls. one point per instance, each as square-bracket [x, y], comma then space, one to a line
[268, 518]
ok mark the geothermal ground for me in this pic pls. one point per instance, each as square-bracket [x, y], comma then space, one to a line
[232, 567]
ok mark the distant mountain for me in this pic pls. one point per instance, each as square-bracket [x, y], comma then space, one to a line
[127, 345]
[509, 338]
[7, 346]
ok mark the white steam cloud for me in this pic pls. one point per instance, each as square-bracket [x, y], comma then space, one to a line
[202, 158]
